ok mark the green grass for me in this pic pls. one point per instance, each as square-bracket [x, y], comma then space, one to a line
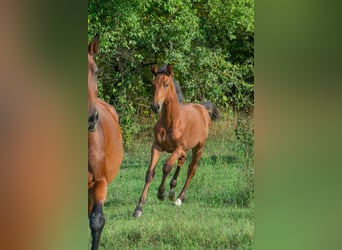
[218, 210]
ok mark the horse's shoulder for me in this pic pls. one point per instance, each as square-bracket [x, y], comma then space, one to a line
[109, 109]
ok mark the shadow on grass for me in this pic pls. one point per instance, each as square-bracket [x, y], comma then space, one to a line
[219, 160]
[229, 159]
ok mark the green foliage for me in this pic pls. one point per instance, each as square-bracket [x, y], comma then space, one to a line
[211, 44]
[245, 136]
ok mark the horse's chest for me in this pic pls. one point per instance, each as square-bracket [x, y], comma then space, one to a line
[168, 139]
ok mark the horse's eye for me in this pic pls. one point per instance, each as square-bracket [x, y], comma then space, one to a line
[166, 85]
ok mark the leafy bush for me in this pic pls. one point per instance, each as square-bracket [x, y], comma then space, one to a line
[210, 43]
[245, 136]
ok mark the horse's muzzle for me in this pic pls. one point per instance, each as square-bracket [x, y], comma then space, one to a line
[92, 121]
[155, 108]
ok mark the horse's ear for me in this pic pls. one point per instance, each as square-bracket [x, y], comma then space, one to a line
[169, 70]
[93, 46]
[154, 70]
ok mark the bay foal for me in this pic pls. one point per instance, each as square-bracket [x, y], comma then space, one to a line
[181, 127]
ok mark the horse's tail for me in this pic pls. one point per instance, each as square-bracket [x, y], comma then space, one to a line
[212, 110]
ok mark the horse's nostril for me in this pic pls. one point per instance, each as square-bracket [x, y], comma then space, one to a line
[155, 107]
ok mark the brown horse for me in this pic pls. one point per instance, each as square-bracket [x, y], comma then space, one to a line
[181, 127]
[105, 150]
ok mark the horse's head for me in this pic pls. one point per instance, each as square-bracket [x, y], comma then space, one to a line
[93, 115]
[162, 85]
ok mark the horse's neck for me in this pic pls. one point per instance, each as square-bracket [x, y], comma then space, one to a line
[171, 110]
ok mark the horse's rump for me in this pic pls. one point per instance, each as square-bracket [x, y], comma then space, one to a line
[196, 114]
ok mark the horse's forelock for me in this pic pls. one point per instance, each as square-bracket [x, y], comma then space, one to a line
[162, 69]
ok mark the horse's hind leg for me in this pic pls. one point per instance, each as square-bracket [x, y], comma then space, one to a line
[196, 155]
[173, 183]
[96, 218]
[166, 170]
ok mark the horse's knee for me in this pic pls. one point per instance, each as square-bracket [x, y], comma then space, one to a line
[167, 168]
[96, 219]
[181, 160]
[149, 176]
[100, 191]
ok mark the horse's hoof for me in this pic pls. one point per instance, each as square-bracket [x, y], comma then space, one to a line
[178, 202]
[137, 213]
[172, 196]
[161, 196]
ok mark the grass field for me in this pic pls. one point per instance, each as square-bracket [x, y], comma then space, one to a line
[218, 210]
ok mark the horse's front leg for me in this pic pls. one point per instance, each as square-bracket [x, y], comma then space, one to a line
[167, 169]
[96, 218]
[173, 183]
[155, 154]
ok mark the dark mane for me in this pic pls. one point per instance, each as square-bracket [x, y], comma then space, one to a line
[179, 92]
